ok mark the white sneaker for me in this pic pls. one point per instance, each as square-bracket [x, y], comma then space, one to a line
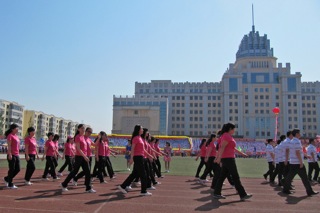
[45, 179]
[203, 182]
[5, 182]
[74, 183]
[146, 194]
[152, 188]
[12, 187]
[91, 191]
[104, 182]
[128, 169]
[59, 174]
[27, 183]
[122, 190]
[128, 188]
[64, 189]
[48, 175]
[55, 179]
[157, 183]
[93, 179]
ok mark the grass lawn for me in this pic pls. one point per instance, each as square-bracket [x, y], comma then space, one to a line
[186, 166]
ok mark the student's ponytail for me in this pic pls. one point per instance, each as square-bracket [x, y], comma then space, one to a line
[11, 128]
[77, 132]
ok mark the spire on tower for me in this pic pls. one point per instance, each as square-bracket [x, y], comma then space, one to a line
[252, 19]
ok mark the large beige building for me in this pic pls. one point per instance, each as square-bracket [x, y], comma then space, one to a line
[250, 88]
[12, 112]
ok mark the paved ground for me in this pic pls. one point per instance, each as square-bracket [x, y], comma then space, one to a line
[175, 194]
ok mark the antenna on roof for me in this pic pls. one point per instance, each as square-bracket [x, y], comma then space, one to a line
[252, 19]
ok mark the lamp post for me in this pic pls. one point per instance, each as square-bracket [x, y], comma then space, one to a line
[276, 111]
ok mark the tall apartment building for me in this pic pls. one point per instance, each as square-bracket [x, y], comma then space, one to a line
[12, 112]
[250, 88]
[44, 123]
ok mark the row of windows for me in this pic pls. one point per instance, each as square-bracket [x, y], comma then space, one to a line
[309, 120]
[309, 105]
[177, 118]
[308, 97]
[309, 112]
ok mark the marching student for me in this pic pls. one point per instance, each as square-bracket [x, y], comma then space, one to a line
[13, 158]
[297, 166]
[286, 152]
[108, 152]
[210, 164]
[156, 153]
[56, 143]
[68, 155]
[226, 156]
[202, 155]
[31, 154]
[100, 153]
[138, 153]
[81, 160]
[270, 159]
[312, 161]
[50, 154]
[157, 161]
[89, 143]
[167, 156]
[279, 161]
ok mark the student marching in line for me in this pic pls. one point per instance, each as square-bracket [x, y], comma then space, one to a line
[88, 153]
[210, 164]
[270, 159]
[167, 156]
[202, 155]
[153, 153]
[56, 143]
[31, 153]
[50, 154]
[226, 156]
[138, 153]
[68, 155]
[157, 161]
[156, 153]
[127, 155]
[13, 158]
[279, 160]
[286, 153]
[109, 152]
[297, 166]
[312, 161]
[100, 153]
[81, 160]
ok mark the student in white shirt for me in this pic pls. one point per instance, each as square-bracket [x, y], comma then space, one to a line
[279, 160]
[286, 151]
[270, 159]
[297, 166]
[312, 161]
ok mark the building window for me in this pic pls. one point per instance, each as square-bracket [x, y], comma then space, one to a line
[233, 85]
[292, 84]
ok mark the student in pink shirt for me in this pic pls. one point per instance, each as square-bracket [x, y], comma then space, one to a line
[68, 154]
[157, 161]
[100, 153]
[137, 156]
[31, 154]
[13, 142]
[202, 155]
[56, 143]
[156, 154]
[50, 155]
[226, 156]
[108, 152]
[90, 143]
[81, 160]
[167, 157]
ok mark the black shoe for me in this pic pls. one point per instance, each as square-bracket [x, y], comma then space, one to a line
[215, 196]
[313, 193]
[265, 177]
[286, 192]
[248, 196]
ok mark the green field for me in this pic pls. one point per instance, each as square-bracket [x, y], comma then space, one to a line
[186, 166]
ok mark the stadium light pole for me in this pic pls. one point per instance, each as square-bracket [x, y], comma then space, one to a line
[276, 111]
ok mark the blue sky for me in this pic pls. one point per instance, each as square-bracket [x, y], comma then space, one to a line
[69, 58]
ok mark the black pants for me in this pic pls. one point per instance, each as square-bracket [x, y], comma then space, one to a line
[82, 173]
[211, 166]
[148, 168]
[278, 171]
[155, 169]
[313, 166]
[68, 162]
[50, 167]
[157, 161]
[100, 164]
[30, 167]
[270, 170]
[293, 171]
[79, 162]
[229, 167]
[202, 163]
[109, 167]
[138, 171]
[14, 169]
[55, 162]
